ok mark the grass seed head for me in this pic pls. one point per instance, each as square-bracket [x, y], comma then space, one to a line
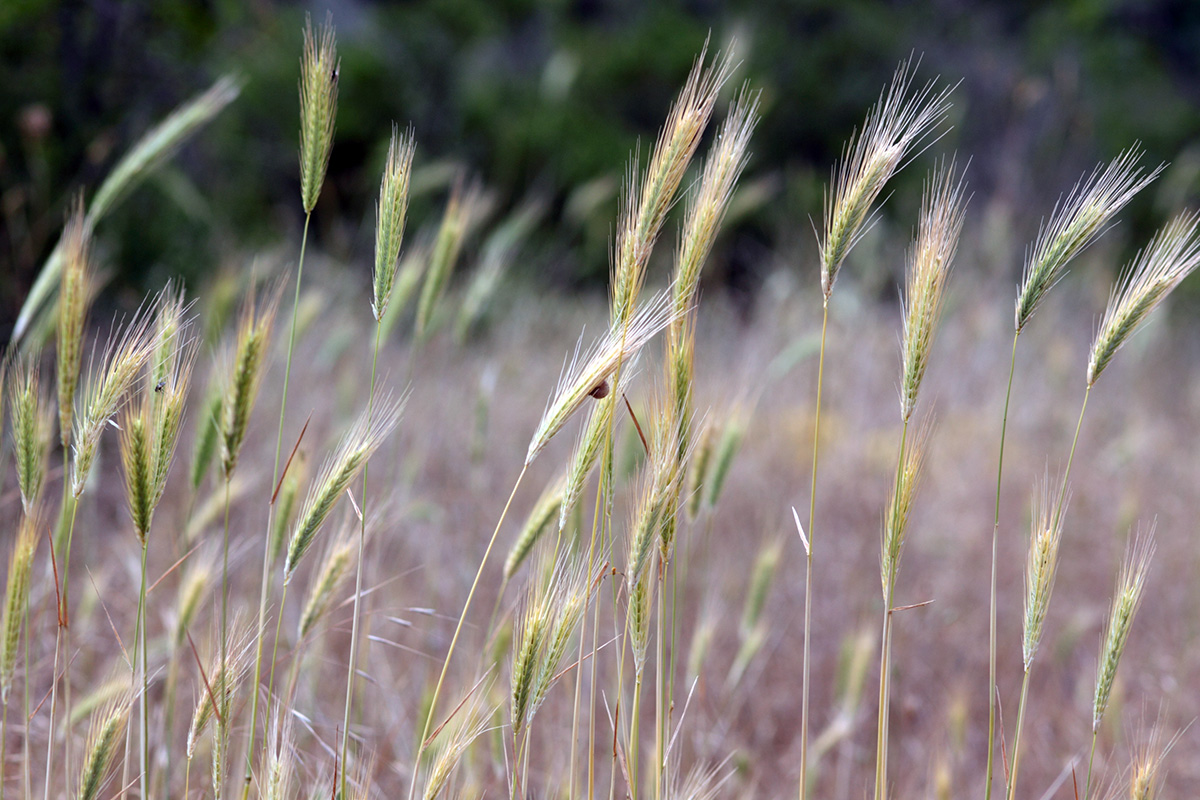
[898, 122]
[246, 374]
[1131, 582]
[356, 447]
[391, 212]
[1041, 566]
[74, 299]
[925, 283]
[545, 512]
[16, 596]
[31, 431]
[318, 108]
[103, 741]
[462, 210]
[334, 568]
[1075, 223]
[1169, 258]
[895, 527]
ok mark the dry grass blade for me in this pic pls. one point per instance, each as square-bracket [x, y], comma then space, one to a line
[589, 376]
[1168, 259]
[1041, 566]
[898, 122]
[1130, 585]
[338, 471]
[942, 214]
[318, 108]
[1075, 223]
[391, 211]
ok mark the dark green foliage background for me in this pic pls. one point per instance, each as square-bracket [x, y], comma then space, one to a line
[547, 97]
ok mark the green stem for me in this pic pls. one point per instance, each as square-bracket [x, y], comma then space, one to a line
[991, 749]
[412, 787]
[634, 733]
[1012, 778]
[262, 601]
[659, 720]
[1087, 786]
[1062, 492]
[58, 639]
[808, 569]
[141, 625]
[362, 538]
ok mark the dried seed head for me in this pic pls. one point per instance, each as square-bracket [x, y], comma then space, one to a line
[896, 124]
[390, 217]
[646, 203]
[1041, 566]
[1075, 223]
[356, 447]
[1167, 260]
[1130, 585]
[318, 108]
[583, 375]
[925, 283]
[74, 298]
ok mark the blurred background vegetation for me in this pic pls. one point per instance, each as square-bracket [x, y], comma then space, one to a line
[545, 101]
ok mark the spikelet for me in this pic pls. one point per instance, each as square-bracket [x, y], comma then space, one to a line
[1041, 567]
[281, 758]
[896, 124]
[698, 468]
[335, 566]
[646, 203]
[16, 596]
[472, 723]
[74, 298]
[390, 216]
[895, 528]
[528, 645]
[103, 741]
[338, 471]
[224, 679]
[1146, 772]
[136, 460]
[658, 490]
[545, 512]
[318, 108]
[1130, 584]
[1075, 223]
[929, 266]
[245, 378]
[285, 507]
[208, 429]
[106, 392]
[766, 565]
[31, 421]
[638, 615]
[462, 210]
[1169, 258]
[591, 375]
[572, 592]
[722, 456]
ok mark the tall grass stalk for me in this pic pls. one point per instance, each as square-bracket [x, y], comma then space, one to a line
[319, 68]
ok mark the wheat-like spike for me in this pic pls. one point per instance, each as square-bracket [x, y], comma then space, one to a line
[137, 461]
[224, 678]
[391, 211]
[1075, 223]
[638, 616]
[528, 644]
[766, 565]
[896, 124]
[1169, 258]
[942, 214]
[496, 254]
[285, 508]
[281, 758]
[895, 527]
[473, 722]
[318, 108]
[1131, 582]
[74, 298]
[334, 569]
[245, 377]
[356, 447]
[646, 202]
[31, 421]
[591, 375]
[192, 588]
[107, 390]
[708, 204]
[208, 429]
[1146, 773]
[544, 513]
[16, 596]
[1041, 566]
[571, 592]
[658, 489]
[730, 441]
[104, 739]
[698, 468]
[462, 210]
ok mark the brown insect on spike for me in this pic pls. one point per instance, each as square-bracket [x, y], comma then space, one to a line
[600, 390]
